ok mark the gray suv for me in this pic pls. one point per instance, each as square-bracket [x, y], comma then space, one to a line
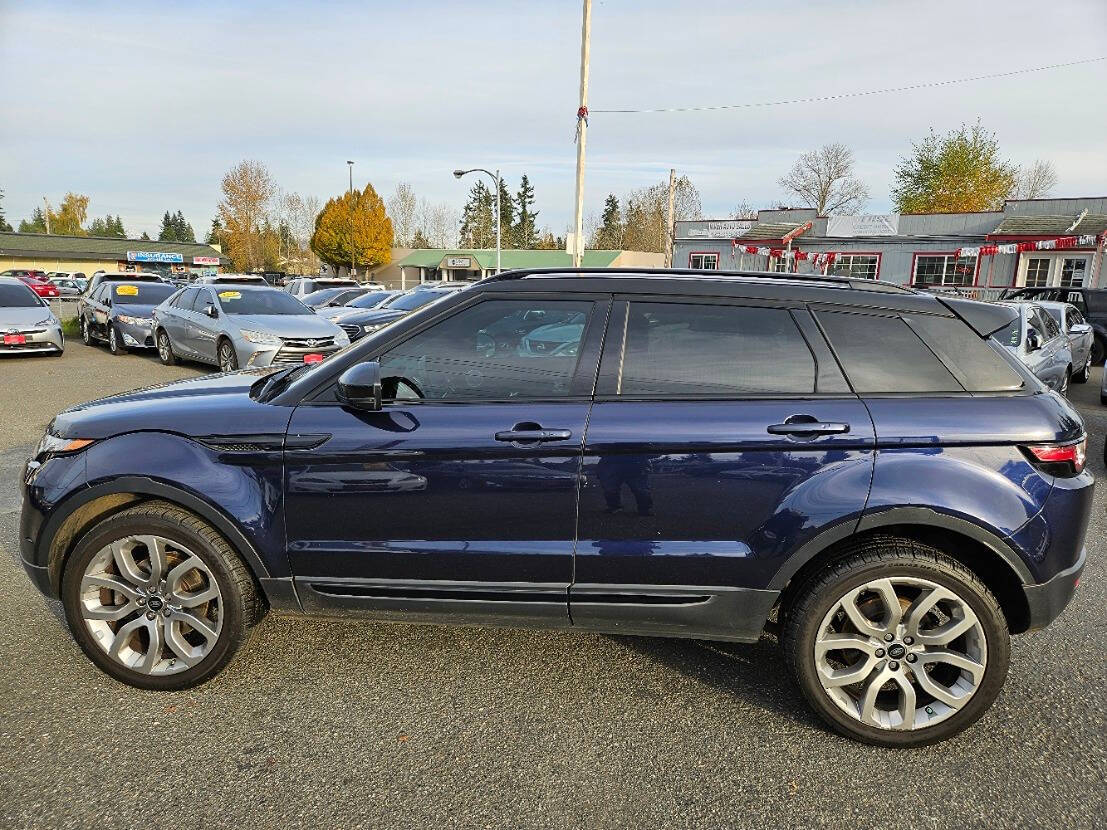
[233, 326]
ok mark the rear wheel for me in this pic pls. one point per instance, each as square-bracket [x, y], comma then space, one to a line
[228, 360]
[1064, 390]
[1099, 349]
[1085, 371]
[165, 349]
[86, 335]
[157, 599]
[897, 644]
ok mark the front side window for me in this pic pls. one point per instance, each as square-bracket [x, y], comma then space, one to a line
[1073, 317]
[944, 269]
[709, 262]
[1050, 326]
[495, 350]
[691, 349]
[860, 266]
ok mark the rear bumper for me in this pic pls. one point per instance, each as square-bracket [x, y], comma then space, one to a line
[1047, 600]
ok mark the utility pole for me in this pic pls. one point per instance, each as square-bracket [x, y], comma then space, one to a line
[672, 224]
[350, 193]
[46, 215]
[582, 132]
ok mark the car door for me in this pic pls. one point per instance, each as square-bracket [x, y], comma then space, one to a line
[1079, 335]
[722, 437]
[1058, 354]
[97, 310]
[458, 499]
[203, 331]
[175, 320]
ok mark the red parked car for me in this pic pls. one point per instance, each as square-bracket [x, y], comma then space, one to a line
[36, 280]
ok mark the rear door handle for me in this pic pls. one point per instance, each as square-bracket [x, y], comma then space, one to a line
[532, 435]
[808, 428]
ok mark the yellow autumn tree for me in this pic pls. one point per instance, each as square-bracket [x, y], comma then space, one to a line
[354, 229]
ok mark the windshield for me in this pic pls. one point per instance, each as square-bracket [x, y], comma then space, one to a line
[1009, 335]
[370, 300]
[269, 301]
[416, 299]
[322, 295]
[143, 293]
[18, 296]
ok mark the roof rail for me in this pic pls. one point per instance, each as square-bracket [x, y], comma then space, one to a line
[753, 276]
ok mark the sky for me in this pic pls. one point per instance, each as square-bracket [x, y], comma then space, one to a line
[144, 107]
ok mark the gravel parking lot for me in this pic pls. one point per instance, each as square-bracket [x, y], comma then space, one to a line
[360, 724]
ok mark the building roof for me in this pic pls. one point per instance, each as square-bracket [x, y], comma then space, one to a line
[510, 259]
[97, 247]
[764, 231]
[1051, 225]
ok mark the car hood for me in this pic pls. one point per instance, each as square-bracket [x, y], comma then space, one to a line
[373, 317]
[134, 310]
[286, 325]
[210, 405]
[12, 317]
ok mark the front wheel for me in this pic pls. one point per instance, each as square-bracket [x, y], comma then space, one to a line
[1065, 381]
[897, 644]
[228, 360]
[165, 349]
[1099, 350]
[157, 599]
[86, 335]
[115, 342]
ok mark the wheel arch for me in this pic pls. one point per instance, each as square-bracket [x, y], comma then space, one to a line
[94, 504]
[984, 553]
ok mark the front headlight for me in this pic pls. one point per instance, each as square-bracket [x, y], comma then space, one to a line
[134, 321]
[260, 338]
[53, 445]
[342, 339]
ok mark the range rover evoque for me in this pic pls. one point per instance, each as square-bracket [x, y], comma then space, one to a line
[854, 466]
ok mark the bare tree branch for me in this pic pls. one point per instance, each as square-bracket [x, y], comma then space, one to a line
[824, 180]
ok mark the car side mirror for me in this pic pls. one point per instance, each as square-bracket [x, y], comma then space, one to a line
[1080, 328]
[359, 387]
[1033, 340]
[211, 311]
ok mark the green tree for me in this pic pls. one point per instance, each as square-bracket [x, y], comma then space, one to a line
[36, 224]
[69, 220]
[145, 237]
[247, 191]
[507, 219]
[609, 235]
[478, 218]
[174, 228]
[354, 229]
[419, 241]
[4, 226]
[168, 232]
[526, 232]
[215, 235]
[960, 172]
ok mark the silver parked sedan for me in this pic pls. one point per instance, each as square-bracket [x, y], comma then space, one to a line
[233, 326]
[1036, 339]
[27, 325]
[1080, 335]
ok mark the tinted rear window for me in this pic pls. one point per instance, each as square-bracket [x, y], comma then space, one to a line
[694, 349]
[883, 354]
[972, 360]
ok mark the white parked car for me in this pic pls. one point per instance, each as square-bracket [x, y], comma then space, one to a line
[1080, 335]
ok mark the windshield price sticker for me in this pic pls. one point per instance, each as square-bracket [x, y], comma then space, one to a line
[230, 295]
[126, 290]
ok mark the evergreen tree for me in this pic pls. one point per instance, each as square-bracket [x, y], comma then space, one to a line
[168, 232]
[145, 237]
[183, 229]
[526, 234]
[117, 228]
[609, 236]
[507, 219]
[478, 223]
[37, 223]
[4, 226]
[419, 240]
[215, 235]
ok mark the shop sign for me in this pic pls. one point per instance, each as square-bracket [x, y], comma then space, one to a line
[153, 256]
[727, 229]
[205, 260]
[459, 262]
[879, 224]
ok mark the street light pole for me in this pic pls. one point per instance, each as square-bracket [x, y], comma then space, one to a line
[582, 132]
[496, 180]
[350, 193]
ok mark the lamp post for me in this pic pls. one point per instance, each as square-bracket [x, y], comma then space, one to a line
[496, 179]
[350, 192]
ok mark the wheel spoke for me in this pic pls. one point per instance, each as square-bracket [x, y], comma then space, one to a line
[109, 582]
[125, 561]
[177, 643]
[202, 626]
[859, 620]
[155, 546]
[947, 633]
[922, 605]
[939, 692]
[906, 701]
[153, 650]
[191, 562]
[198, 597]
[867, 704]
[849, 675]
[842, 642]
[110, 613]
[952, 658]
[893, 611]
[123, 635]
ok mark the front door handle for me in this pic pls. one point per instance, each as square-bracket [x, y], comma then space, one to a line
[807, 426]
[528, 433]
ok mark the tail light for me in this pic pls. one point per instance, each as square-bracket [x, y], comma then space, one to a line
[1064, 460]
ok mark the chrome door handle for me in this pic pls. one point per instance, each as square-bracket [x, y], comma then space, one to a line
[533, 436]
[810, 428]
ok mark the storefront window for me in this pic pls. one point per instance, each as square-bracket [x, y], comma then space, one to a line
[1072, 272]
[861, 266]
[1037, 272]
[944, 269]
[708, 262]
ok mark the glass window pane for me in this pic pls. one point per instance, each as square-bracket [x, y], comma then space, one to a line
[883, 354]
[1072, 272]
[496, 350]
[976, 363]
[695, 349]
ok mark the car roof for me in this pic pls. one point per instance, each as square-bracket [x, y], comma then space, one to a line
[137, 276]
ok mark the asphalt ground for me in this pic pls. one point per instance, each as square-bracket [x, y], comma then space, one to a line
[360, 724]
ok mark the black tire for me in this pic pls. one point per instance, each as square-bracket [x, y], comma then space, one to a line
[1084, 373]
[226, 356]
[115, 342]
[1064, 390]
[86, 335]
[1099, 351]
[242, 606]
[880, 558]
[165, 349]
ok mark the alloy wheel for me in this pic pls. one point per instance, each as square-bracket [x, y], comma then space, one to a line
[163, 347]
[113, 344]
[226, 358]
[86, 336]
[151, 604]
[900, 653]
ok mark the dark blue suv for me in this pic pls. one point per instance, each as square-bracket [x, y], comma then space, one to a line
[854, 467]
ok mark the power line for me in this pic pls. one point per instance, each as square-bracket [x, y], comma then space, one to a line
[887, 90]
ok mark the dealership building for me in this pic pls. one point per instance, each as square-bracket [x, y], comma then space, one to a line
[86, 254]
[1031, 242]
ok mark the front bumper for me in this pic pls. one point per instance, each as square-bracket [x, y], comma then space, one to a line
[252, 356]
[39, 340]
[136, 336]
[1047, 600]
